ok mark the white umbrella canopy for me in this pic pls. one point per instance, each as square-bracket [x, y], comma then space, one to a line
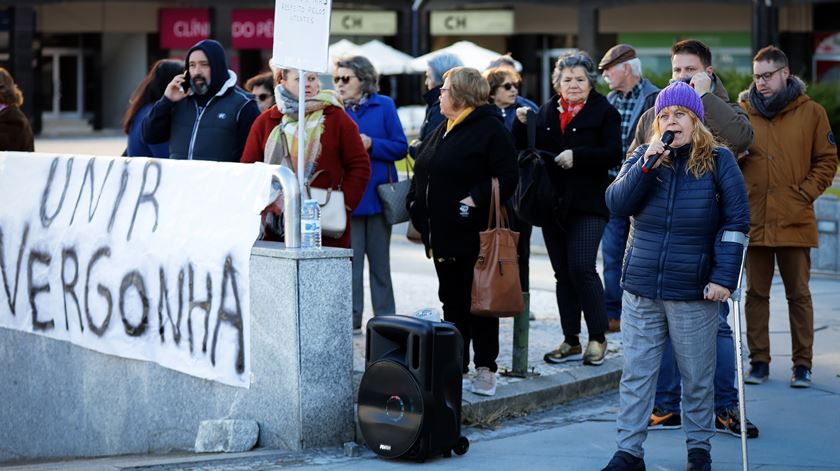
[470, 54]
[386, 59]
[343, 48]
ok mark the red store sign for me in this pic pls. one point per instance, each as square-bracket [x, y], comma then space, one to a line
[252, 29]
[181, 28]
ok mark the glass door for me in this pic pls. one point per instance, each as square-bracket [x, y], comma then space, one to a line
[62, 83]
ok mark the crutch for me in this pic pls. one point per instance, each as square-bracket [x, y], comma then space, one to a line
[735, 298]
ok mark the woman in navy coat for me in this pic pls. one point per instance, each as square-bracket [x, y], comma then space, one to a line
[689, 219]
[383, 136]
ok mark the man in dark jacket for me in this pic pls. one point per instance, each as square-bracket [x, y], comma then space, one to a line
[631, 95]
[691, 63]
[202, 113]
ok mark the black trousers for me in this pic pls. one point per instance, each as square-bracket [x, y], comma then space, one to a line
[455, 276]
[573, 249]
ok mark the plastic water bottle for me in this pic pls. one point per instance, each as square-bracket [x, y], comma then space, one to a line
[310, 225]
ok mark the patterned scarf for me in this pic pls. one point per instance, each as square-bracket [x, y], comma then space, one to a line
[281, 147]
[567, 112]
[354, 105]
[770, 106]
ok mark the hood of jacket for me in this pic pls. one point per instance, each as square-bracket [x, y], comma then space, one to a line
[219, 73]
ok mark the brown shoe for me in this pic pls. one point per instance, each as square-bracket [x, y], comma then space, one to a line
[615, 325]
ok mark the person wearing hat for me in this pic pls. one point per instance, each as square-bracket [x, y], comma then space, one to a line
[631, 94]
[691, 63]
[677, 270]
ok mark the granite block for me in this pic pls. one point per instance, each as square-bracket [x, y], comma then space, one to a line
[60, 400]
[229, 436]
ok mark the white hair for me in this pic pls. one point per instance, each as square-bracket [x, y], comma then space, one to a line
[635, 66]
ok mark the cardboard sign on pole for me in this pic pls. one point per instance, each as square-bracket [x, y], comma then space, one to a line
[302, 34]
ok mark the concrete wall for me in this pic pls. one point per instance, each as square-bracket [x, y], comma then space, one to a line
[60, 400]
[124, 58]
[826, 258]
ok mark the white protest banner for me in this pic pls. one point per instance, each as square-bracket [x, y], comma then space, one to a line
[302, 34]
[139, 258]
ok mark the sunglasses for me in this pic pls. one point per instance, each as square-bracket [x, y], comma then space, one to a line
[264, 96]
[507, 86]
[345, 79]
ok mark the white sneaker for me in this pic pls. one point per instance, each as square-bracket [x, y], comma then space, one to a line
[484, 382]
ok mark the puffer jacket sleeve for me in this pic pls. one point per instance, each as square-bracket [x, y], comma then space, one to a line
[734, 216]
[626, 195]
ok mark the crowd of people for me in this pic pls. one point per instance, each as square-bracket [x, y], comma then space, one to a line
[672, 217]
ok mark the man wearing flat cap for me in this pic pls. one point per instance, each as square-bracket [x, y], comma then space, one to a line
[631, 94]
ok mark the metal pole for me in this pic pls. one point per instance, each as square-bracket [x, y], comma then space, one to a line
[301, 129]
[739, 362]
[284, 181]
[521, 324]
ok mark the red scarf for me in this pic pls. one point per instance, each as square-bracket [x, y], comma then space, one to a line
[568, 112]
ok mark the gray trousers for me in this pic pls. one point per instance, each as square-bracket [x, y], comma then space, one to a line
[692, 327]
[371, 236]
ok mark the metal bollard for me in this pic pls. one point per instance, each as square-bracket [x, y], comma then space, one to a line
[284, 180]
[521, 325]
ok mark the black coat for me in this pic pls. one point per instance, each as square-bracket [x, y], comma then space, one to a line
[15, 131]
[452, 166]
[594, 136]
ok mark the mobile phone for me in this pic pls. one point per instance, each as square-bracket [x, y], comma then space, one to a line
[186, 84]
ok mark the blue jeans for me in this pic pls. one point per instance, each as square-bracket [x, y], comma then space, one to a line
[613, 244]
[726, 394]
[645, 325]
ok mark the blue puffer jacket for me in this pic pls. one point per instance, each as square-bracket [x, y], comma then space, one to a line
[675, 246]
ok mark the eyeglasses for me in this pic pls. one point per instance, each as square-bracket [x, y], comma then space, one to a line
[507, 86]
[766, 75]
[345, 79]
[263, 96]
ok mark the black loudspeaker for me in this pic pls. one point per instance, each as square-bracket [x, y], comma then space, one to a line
[410, 394]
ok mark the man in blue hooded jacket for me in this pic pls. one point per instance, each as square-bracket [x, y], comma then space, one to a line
[203, 113]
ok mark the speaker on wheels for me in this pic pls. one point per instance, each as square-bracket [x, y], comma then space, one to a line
[410, 394]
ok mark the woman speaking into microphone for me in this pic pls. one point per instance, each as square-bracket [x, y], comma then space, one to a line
[679, 264]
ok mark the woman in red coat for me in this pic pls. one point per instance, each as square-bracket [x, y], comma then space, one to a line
[332, 142]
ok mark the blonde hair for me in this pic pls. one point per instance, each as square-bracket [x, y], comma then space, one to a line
[703, 143]
[467, 87]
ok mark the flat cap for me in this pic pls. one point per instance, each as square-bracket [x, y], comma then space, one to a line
[616, 55]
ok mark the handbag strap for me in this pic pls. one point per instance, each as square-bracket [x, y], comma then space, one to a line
[532, 129]
[408, 166]
[315, 175]
[501, 215]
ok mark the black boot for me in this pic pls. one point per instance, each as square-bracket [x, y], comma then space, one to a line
[623, 461]
[699, 460]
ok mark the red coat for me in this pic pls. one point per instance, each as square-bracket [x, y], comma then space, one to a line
[343, 156]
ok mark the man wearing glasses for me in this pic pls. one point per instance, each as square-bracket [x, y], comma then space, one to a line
[791, 162]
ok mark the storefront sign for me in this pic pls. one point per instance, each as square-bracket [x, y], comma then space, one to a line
[133, 257]
[364, 23]
[181, 28]
[302, 34]
[488, 22]
[252, 29]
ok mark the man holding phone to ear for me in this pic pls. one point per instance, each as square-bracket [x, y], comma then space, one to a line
[203, 113]
[691, 62]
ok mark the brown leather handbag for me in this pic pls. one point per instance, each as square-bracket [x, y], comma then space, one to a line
[496, 291]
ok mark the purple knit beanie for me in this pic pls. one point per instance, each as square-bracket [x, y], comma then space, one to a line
[679, 94]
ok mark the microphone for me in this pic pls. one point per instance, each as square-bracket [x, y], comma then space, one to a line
[667, 139]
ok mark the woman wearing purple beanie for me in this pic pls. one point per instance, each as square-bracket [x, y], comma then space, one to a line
[682, 259]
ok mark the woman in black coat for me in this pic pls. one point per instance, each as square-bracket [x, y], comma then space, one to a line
[582, 130]
[449, 202]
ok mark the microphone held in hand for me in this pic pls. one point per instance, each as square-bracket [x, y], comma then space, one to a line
[667, 139]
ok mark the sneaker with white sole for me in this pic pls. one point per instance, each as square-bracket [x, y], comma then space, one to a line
[595, 352]
[484, 382]
[564, 353]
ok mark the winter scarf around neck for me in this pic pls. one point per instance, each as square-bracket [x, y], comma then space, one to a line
[286, 133]
[568, 111]
[770, 106]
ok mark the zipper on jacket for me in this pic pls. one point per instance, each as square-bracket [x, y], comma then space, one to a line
[665, 242]
[200, 111]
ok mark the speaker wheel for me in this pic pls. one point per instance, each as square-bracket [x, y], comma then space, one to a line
[462, 446]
